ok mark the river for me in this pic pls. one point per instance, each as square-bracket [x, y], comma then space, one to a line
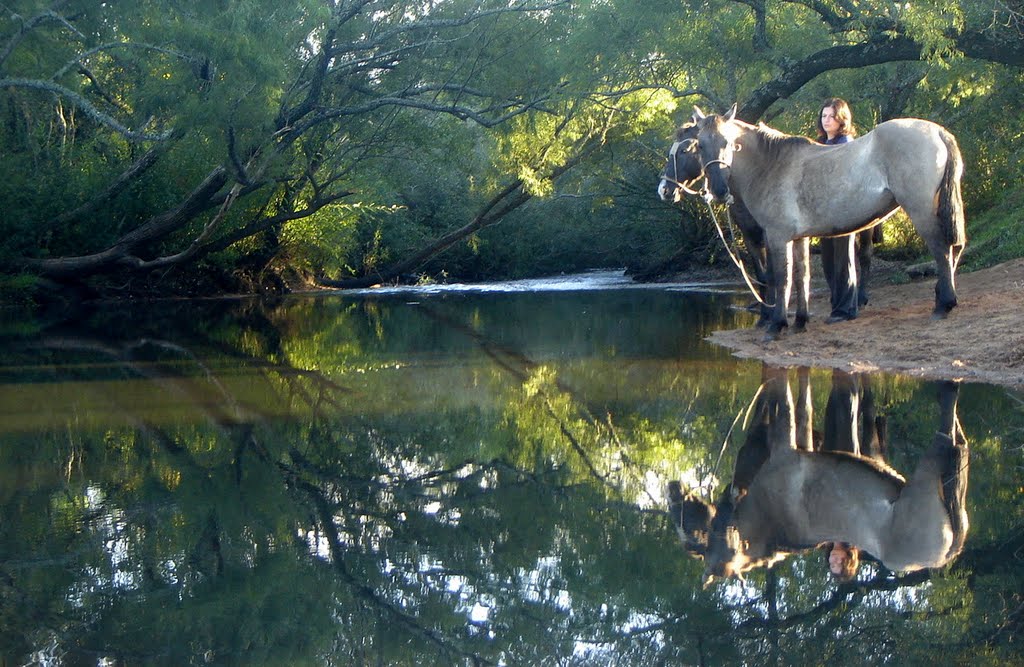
[465, 474]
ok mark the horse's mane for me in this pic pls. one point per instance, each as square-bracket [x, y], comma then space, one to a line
[776, 142]
[683, 129]
[881, 467]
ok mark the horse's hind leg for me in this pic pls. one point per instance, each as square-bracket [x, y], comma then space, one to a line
[946, 257]
[802, 277]
[865, 252]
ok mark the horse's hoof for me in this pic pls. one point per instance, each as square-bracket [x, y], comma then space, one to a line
[941, 311]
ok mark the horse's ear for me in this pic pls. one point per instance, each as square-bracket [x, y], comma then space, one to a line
[732, 112]
[698, 115]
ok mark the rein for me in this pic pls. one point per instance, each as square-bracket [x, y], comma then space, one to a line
[706, 195]
[735, 260]
[685, 187]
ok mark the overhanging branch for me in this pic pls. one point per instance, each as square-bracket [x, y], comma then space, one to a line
[86, 107]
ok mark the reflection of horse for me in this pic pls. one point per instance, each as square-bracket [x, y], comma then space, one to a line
[683, 169]
[785, 497]
[796, 188]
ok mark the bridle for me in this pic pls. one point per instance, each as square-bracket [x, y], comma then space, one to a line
[685, 187]
[704, 171]
[708, 198]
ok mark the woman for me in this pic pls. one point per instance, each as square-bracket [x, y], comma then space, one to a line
[839, 256]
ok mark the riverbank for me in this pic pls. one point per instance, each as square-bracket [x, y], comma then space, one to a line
[982, 340]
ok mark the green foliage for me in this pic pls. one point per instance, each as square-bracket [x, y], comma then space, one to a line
[459, 479]
[997, 234]
[425, 114]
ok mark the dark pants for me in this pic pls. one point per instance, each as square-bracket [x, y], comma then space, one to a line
[838, 261]
[851, 423]
[846, 262]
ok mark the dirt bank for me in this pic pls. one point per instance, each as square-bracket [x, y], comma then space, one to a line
[982, 340]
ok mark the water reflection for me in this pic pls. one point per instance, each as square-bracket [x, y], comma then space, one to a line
[794, 489]
[466, 480]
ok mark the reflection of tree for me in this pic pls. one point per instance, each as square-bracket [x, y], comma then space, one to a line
[399, 538]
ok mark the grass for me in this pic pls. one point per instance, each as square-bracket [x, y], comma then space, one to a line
[997, 234]
[994, 235]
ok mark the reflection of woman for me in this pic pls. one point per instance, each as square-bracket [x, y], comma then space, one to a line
[851, 427]
[843, 560]
[838, 254]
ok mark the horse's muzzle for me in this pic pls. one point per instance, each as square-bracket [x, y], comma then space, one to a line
[668, 191]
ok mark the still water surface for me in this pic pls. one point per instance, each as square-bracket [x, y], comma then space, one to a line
[470, 476]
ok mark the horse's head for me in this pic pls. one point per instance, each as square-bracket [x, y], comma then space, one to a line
[716, 144]
[691, 518]
[726, 553]
[726, 557]
[683, 166]
[707, 532]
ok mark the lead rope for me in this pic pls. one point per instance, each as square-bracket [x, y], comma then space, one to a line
[735, 260]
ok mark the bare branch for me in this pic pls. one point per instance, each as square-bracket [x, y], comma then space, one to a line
[507, 200]
[434, 24]
[973, 44]
[155, 228]
[110, 46]
[33, 23]
[827, 14]
[86, 107]
[269, 222]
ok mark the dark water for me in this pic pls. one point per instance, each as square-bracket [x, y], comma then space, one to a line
[465, 477]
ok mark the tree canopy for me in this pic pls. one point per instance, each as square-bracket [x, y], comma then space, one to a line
[191, 146]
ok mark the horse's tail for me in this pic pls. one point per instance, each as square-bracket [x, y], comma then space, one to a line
[951, 203]
[954, 487]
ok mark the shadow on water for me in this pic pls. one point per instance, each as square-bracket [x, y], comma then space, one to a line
[469, 478]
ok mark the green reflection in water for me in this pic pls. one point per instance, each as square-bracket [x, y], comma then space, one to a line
[469, 479]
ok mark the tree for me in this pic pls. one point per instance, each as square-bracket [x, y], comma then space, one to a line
[225, 124]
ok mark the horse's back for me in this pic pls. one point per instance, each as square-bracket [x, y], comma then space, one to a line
[912, 154]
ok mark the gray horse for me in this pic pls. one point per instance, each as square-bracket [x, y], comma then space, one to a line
[788, 495]
[683, 170]
[796, 188]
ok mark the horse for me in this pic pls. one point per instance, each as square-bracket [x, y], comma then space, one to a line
[786, 496]
[796, 188]
[683, 169]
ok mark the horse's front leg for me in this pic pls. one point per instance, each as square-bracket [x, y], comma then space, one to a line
[802, 270]
[780, 255]
[753, 240]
